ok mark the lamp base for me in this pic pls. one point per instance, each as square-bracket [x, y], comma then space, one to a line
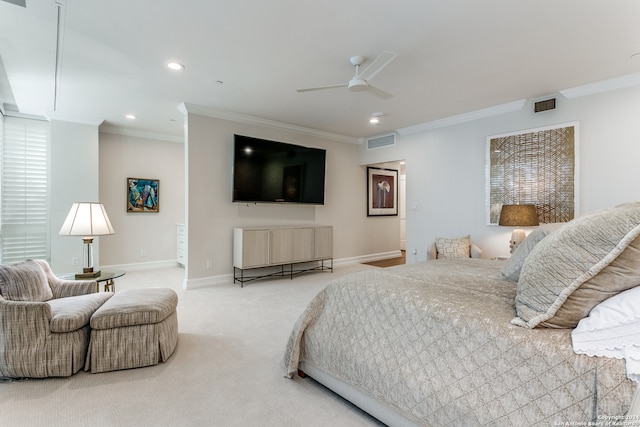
[517, 236]
[90, 275]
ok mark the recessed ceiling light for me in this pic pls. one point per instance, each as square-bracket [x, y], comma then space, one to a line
[131, 116]
[175, 66]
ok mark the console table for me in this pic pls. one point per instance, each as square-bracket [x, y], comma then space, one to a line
[284, 247]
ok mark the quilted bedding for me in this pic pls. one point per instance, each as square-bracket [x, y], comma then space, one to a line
[434, 341]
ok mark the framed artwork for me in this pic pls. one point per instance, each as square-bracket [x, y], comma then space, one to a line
[536, 166]
[143, 195]
[382, 192]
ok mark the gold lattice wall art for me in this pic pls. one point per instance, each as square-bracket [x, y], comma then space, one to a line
[536, 166]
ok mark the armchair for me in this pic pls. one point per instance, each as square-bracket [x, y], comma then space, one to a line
[44, 321]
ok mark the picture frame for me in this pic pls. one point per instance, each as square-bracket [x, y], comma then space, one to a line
[536, 166]
[382, 192]
[143, 195]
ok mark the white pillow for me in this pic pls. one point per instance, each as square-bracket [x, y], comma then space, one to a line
[612, 329]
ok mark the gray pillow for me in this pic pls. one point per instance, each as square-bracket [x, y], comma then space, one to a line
[24, 281]
[513, 265]
[582, 264]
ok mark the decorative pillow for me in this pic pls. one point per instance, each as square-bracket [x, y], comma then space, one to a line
[612, 326]
[574, 269]
[612, 330]
[453, 248]
[24, 281]
[513, 265]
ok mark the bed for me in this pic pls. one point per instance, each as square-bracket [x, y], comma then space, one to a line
[475, 342]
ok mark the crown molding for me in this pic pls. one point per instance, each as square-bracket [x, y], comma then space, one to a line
[140, 134]
[19, 115]
[73, 118]
[243, 118]
[465, 117]
[602, 86]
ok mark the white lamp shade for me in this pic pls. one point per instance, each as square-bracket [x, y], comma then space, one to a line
[87, 219]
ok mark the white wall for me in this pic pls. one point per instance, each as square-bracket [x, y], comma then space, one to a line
[211, 216]
[445, 167]
[444, 172]
[74, 178]
[141, 238]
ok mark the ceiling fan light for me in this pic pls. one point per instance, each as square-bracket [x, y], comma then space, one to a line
[356, 85]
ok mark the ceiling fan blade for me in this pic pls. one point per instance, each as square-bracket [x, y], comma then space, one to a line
[377, 65]
[379, 93]
[309, 89]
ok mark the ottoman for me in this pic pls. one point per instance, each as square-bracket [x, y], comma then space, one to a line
[134, 328]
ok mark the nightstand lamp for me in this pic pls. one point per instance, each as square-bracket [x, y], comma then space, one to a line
[87, 219]
[518, 216]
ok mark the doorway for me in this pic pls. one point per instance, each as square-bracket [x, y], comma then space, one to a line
[398, 165]
[402, 207]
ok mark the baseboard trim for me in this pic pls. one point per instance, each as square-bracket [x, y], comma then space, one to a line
[206, 282]
[141, 265]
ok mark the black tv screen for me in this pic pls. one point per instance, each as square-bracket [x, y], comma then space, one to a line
[277, 172]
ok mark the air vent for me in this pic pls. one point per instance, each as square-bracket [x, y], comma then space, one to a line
[381, 141]
[548, 104]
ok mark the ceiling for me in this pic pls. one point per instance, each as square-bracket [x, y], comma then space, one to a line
[97, 61]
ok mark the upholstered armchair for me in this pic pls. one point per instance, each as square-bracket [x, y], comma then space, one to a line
[460, 247]
[44, 321]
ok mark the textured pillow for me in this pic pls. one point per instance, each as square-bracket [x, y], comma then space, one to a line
[513, 265]
[453, 248]
[574, 269]
[24, 281]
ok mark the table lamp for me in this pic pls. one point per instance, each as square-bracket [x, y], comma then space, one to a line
[87, 219]
[518, 216]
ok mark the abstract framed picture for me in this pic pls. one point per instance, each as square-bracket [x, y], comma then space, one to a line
[382, 192]
[143, 195]
[536, 166]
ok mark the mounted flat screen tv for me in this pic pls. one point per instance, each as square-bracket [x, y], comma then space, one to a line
[276, 172]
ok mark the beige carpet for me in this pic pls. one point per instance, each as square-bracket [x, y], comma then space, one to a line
[226, 370]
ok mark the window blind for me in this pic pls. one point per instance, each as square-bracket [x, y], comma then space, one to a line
[24, 216]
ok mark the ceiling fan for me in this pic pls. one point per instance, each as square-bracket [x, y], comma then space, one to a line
[360, 81]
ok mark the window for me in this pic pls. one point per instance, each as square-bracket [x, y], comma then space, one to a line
[24, 214]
